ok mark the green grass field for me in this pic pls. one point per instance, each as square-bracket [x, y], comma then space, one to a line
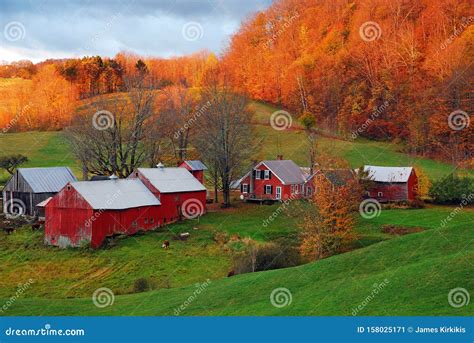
[420, 269]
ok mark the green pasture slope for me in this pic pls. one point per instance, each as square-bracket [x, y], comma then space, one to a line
[418, 271]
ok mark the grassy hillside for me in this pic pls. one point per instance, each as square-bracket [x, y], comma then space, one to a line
[420, 269]
[50, 148]
[43, 149]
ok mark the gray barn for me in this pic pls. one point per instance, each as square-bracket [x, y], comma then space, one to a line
[29, 186]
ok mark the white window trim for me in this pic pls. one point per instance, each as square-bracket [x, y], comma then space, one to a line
[266, 174]
[257, 174]
[269, 188]
[245, 188]
[278, 192]
[292, 189]
[380, 194]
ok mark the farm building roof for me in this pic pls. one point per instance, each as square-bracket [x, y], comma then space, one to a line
[115, 194]
[196, 165]
[47, 180]
[388, 174]
[286, 170]
[172, 180]
[44, 202]
[338, 177]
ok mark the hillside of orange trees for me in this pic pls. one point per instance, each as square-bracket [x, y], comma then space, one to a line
[396, 70]
[383, 69]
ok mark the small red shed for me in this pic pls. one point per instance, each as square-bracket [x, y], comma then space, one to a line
[391, 183]
[196, 168]
[180, 193]
[275, 180]
[89, 211]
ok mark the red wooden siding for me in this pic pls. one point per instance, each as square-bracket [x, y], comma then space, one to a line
[394, 191]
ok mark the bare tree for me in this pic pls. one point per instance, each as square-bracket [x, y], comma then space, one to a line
[109, 136]
[224, 135]
[175, 115]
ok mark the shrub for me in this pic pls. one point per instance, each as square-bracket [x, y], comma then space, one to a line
[221, 237]
[264, 257]
[452, 189]
[141, 285]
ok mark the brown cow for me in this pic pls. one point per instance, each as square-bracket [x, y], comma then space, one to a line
[166, 244]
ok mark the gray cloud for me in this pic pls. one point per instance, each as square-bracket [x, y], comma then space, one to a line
[66, 28]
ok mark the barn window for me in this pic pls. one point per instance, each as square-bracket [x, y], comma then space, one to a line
[245, 188]
[268, 189]
[146, 220]
[257, 174]
[266, 174]
[134, 224]
[152, 220]
[380, 194]
[68, 187]
[368, 193]
[309, 190]
[292, 189]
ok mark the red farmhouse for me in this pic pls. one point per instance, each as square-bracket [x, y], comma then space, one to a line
[392, 183]
[196, 168]
[275, 180]
[88, 212]
[179, 192]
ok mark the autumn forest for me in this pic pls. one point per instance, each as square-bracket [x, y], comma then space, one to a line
[379, 69]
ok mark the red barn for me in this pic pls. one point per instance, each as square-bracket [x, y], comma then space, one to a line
[391, 183]
[196, 168]
[180, 193]
[275, 180]
[87, 212]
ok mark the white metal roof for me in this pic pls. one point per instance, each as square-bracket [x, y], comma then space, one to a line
[172, 180]
[388, 174]
[47, 180]
[196, 165]
[115, 194]
[44, 202]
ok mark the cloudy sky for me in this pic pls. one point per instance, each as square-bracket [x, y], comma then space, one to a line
[40, 29]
